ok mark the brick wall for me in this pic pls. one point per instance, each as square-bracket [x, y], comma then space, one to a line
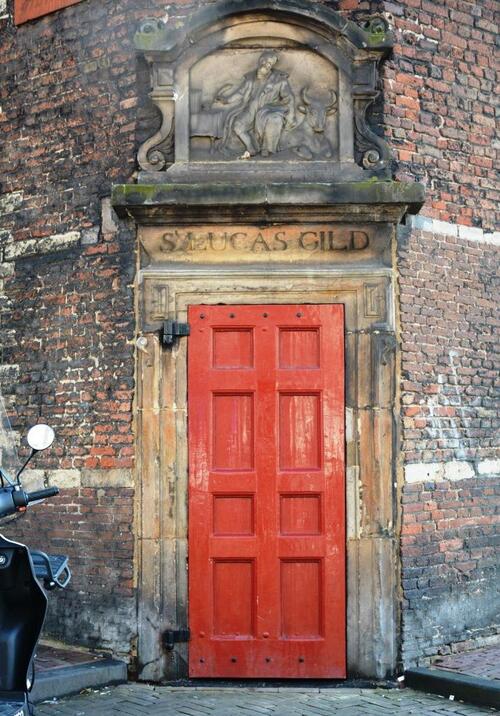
[439, 89]
[74, 110]
[68, 126]
[92, 524]
[449, 317]
[449, 549]
[68, 331]
[450, 425]
[439, 93]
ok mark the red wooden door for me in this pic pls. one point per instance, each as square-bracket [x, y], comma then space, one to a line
[266, 491]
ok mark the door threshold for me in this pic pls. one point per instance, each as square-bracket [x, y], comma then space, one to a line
[284, 684]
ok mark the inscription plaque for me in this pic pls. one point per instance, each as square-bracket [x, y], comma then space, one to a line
[310, 242]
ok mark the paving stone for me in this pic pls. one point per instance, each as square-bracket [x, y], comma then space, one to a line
[483, 662]
[138, 700]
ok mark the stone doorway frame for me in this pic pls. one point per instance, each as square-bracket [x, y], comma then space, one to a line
[173, 191]
[162, 469]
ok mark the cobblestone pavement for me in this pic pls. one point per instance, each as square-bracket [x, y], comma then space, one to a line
[480, 662]
[139, 700]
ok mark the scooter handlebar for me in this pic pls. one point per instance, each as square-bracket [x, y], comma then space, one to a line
[42, 494]
[14, 499]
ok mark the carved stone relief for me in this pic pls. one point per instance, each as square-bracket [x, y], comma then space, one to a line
[273, 104]
[246, 81]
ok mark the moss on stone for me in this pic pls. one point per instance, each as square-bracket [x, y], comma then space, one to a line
[369, 191]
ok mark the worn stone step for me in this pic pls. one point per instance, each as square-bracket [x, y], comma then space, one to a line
[473, 689]
[67, 680]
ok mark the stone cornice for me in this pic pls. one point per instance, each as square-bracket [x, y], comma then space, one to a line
[184, 203]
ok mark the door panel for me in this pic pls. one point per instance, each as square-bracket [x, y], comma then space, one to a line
[267, 491]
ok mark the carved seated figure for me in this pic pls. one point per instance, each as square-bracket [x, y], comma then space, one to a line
[264, 117]
[264, 108]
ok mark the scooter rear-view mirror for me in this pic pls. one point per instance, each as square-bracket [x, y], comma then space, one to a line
[40, 437]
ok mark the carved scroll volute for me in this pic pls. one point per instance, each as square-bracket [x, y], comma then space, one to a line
[152, 155]
[372, 152]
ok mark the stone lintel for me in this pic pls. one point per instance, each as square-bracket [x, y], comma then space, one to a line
[164, 203]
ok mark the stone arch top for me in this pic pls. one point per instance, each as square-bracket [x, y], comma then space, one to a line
[154, 36]
[272, 89]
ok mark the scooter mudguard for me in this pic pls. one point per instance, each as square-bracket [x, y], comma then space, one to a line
[23, 606]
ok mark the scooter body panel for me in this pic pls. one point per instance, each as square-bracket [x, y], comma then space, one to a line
[23, 606]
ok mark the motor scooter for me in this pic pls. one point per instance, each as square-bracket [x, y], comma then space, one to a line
[25, 577]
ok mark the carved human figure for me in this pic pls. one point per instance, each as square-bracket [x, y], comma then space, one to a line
[265, 107]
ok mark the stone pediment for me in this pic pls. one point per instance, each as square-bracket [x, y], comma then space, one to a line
[276, 90]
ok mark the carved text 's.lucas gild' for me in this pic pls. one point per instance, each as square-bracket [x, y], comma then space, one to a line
[265, 240]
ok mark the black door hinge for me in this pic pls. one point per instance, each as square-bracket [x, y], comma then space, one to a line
[172, 330]
[174, 636]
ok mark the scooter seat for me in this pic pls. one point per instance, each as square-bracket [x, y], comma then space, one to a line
[51, 569]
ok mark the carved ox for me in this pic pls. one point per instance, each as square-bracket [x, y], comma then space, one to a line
[308, 139]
